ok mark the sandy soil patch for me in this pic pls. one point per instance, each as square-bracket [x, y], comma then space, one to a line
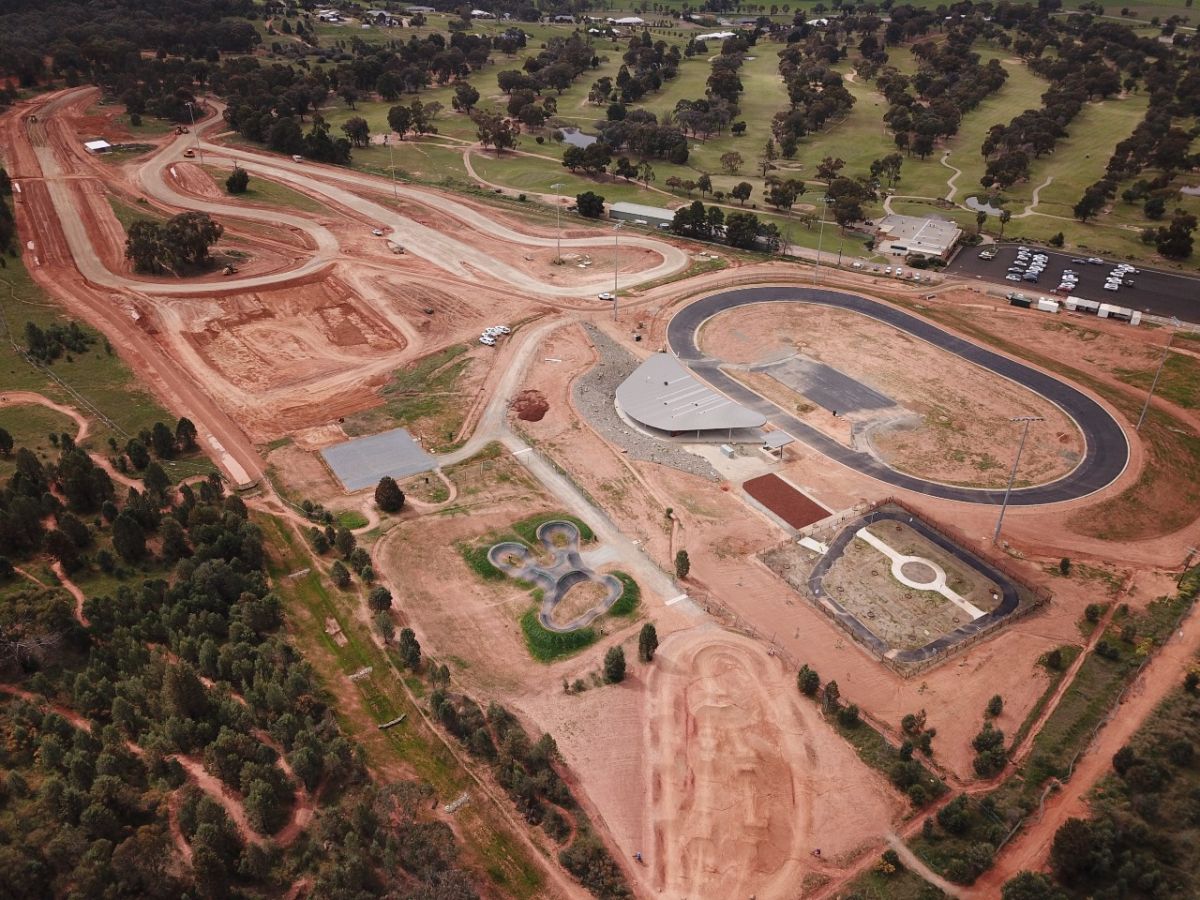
[578, 600]
[964, 411]
[745, 779]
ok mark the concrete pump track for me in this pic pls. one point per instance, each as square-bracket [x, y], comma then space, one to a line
[1106, 451]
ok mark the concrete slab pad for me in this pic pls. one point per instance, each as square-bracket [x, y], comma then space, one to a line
[361, 462]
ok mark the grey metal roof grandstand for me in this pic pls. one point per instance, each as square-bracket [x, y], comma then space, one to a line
[661, 393]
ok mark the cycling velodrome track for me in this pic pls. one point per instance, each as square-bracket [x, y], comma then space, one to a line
[1106, 450]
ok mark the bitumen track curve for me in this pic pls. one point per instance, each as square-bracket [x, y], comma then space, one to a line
[1106, 449]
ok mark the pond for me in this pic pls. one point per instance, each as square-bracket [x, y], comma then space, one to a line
[975, 204]
[577, 138]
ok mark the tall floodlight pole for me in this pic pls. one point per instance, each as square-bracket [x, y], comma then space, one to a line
[616, 268]
[820, 239]
[1175, 323]
[387, 139]
[1028, 420]
[195, 134]
[557, 220]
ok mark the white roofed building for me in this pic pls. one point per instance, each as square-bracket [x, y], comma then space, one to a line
[664, 398]
[913, 235]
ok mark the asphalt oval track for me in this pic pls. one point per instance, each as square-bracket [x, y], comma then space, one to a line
[1106, 450]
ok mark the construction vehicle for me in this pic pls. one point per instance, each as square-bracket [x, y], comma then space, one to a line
[181, 129]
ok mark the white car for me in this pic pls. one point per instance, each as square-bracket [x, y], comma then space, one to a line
[1095, 260]
[607, 295]
[1109, 286]
[1012, 277]
[501, 329]
[856, 265]
[887, 271]
[487, 340]
[378, 232]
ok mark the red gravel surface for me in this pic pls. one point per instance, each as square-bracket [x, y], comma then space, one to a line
[784, 500]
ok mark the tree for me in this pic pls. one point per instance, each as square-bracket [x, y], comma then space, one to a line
[400, 120]
[614, 665]
[128, 538]
[345, 542]
[732, 162]
[1005, 215]
[138, 455]
[766, 160]
[828, 168]
[1031, 886]
[683, 564]
[238, 181]
[144, 247]
[388, 495]
[1191, 682]
[741, 192]
[1174, 241]
[162, 440]
[339, 574]
[410, 650]
[493, 130]
[379, 599]
[808, 681]
[742, 230]
[995, 706]
[980, 220]
[357, 130]
[6, 443]
[704, 182]
[185, 435]
[830, 695]
[647, 642]
[589, 204]
[1072, 852]
[465, 97]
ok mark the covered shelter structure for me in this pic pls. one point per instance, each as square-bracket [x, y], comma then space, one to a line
[664, 399]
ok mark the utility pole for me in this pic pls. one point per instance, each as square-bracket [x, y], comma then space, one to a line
[195, 134]
[557, 220]
[387, 139]
[1175, 323]
[820, 240]
[1028, 420]
[616, 247]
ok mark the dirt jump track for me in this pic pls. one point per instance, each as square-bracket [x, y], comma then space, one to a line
[1106, 447]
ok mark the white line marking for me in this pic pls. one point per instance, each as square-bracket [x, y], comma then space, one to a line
[675, 600]
[519, 452]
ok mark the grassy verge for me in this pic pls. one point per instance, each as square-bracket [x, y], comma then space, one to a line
[875, 750]
[878, 884]
[546, 646]
[424, 398]
[476, 557]
[527, 528]
[381, 697]
[266, 192]
[31, 427]
[351, 518]
[1067, 654]
[98, 375]
[627, 603]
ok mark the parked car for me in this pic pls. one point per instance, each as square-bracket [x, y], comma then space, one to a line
[502, 329]
[1078, 260]
[1109, 286]
[607, 295]
[487, 340]
[378, 232]
[1095, 260]
[1012, 277]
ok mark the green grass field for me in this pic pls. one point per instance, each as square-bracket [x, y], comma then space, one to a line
[98, 375]
[263, 191]
[31, 427]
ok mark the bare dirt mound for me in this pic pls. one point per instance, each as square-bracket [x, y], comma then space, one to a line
[530, 406]
[746, 780]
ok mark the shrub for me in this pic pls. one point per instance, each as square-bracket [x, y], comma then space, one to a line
[808, 681]
[388, 495]
[630, 596]
[614, 665]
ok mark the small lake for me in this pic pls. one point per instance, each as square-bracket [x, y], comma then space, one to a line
[577, 138]
[973, 203]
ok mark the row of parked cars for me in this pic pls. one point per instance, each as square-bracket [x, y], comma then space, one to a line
[488, 338]
[1027, 266]
[1119, 277]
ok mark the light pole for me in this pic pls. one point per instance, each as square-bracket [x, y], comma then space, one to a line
[387, 139]
[557, 221]
[820, 238]
[1175, 323]
[195, 134]
[616, 268]
[1028, 420]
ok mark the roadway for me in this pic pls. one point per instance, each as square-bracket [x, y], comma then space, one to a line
[1154, 291]
[1106, 450]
